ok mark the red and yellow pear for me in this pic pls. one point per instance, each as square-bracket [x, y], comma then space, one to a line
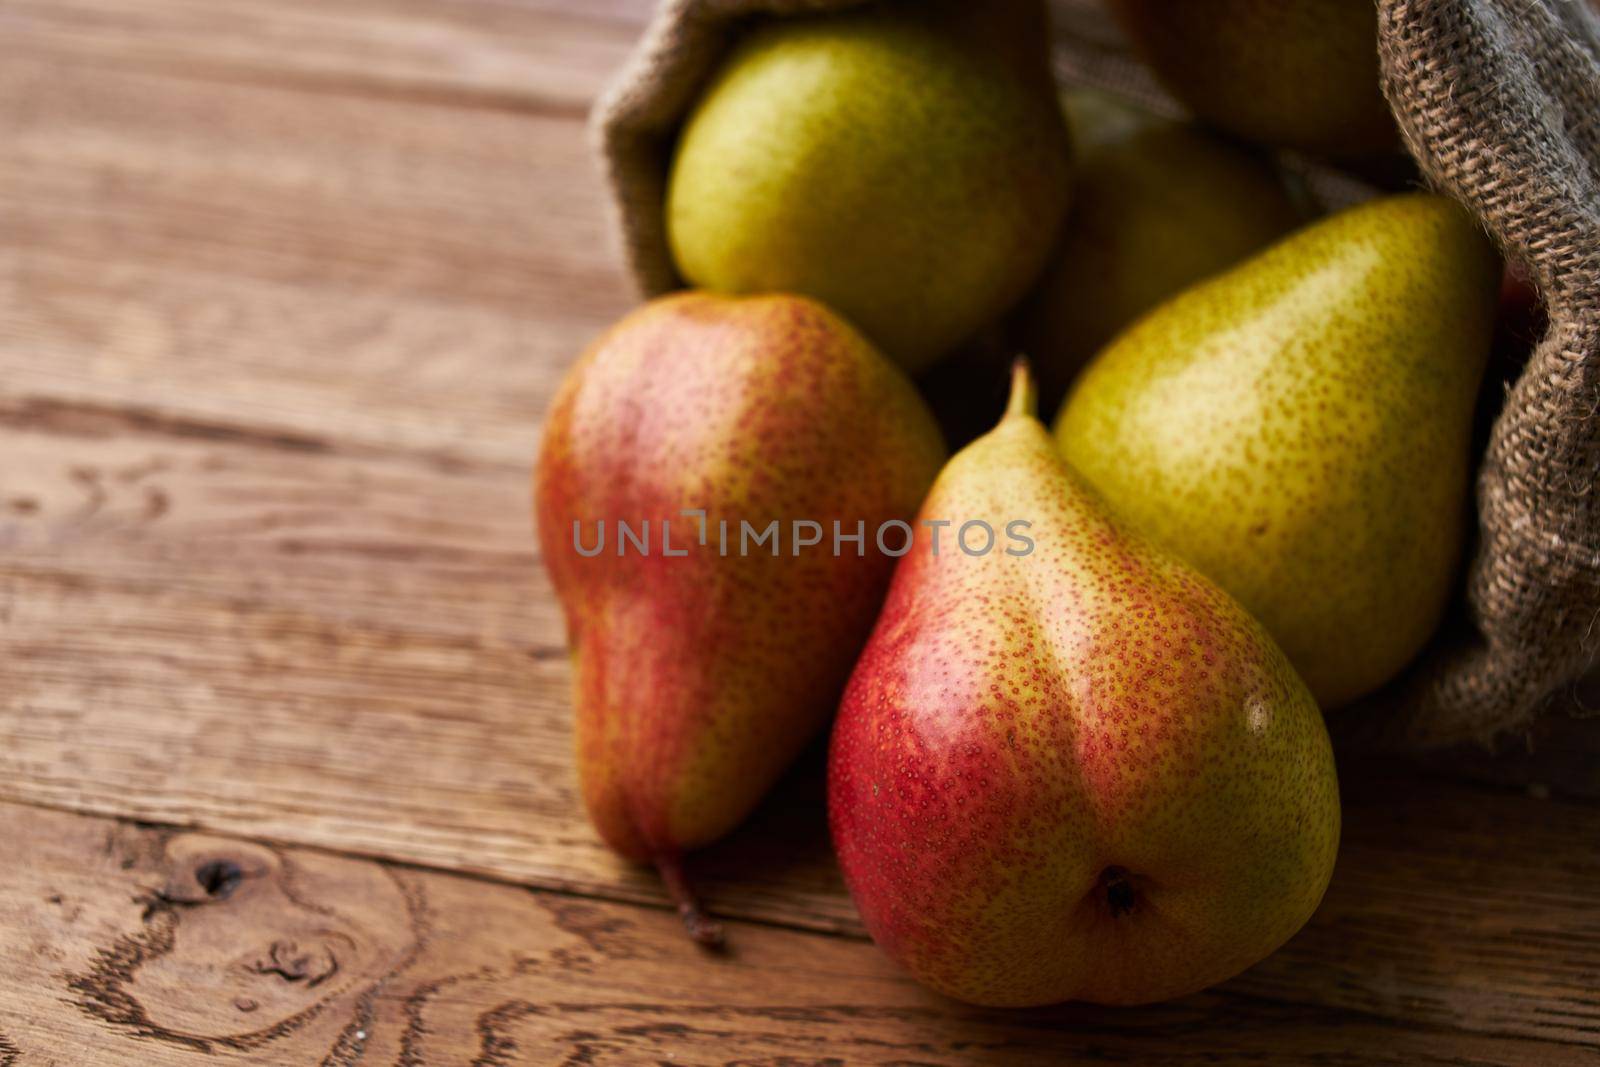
[700, 672]
[1079, 771]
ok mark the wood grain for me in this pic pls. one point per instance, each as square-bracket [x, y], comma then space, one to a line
[356, 650]
[388, 272]
[520, 54]
[137, 944]
[284, 289]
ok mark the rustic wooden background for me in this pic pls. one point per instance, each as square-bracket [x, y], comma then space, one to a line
[285, 286]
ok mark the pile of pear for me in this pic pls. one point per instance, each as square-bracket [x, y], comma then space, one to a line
[1097, 769]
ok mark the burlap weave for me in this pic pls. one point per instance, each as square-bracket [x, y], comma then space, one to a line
[1499, 101]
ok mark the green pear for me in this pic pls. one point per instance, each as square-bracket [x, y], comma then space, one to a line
[904, 163]
[1299, 430]
[708, 649]
[1157, 206]
[1071, 767]
[1299, 74]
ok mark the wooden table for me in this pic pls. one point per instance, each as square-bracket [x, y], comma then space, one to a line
[285, 286]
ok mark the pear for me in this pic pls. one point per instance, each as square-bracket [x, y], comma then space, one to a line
[1072, 768]
[707, 658]
[904, 163]
[1299, 430]
[1157, 206]
[1299, 74]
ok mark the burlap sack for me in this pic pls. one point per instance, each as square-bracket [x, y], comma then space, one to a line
[1499, 101]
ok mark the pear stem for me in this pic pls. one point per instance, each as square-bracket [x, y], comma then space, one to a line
[1024, 399]
[703, 930]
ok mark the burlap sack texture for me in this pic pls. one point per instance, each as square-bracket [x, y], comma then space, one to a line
[1499, 102]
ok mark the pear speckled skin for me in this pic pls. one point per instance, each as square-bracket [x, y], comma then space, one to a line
[1299, 430]
[905, 167]
[1299, 74]
[1084, 773]
[699, 677]
[1157, 206]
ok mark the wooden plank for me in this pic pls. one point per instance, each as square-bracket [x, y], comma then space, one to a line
[394, 272]
[521, 54]
[303, 641]
[131, 945]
